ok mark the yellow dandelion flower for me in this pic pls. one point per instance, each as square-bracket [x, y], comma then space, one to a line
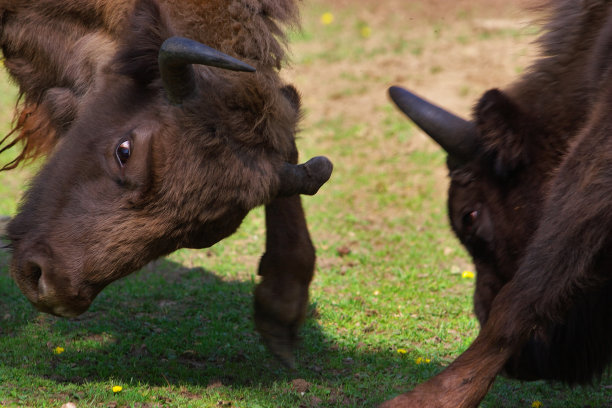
[402, 351]
[421, 360]
[327, 18]
[58, 350]
[468, 275]
[365, 32]
[117, 388]
[536, 404]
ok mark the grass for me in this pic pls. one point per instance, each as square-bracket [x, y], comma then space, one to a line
[389, 306]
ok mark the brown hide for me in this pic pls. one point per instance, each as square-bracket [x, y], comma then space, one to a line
[131, 176]
[533, 209]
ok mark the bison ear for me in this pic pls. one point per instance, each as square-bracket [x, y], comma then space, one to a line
[62, 106]
[502, 130]
[142, 39]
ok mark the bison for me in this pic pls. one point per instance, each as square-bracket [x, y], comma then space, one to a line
[530, 198]
[157, 139]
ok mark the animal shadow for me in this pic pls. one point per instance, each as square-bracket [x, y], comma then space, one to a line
[168, 324]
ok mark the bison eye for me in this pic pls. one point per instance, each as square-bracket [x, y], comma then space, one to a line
[469, 219]
[123, 152]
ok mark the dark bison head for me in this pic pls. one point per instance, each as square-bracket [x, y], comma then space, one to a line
[162, 154]
[497, 186]
[500, 165]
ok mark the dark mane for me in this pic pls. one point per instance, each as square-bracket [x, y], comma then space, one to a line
[557, 83]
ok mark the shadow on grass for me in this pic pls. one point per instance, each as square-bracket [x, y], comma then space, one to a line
[169, 329]
[168, 325]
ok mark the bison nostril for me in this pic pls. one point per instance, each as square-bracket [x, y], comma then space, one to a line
[32, 272]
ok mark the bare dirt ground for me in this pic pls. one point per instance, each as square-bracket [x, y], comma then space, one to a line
[448, 51]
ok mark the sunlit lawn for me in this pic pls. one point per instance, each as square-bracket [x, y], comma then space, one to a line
[390, 304]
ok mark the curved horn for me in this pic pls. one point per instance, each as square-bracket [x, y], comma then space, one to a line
[455, 135]
[304, 178]
[175, 58]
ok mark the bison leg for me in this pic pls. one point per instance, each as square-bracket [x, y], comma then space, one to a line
[465, 382]
[286, 269]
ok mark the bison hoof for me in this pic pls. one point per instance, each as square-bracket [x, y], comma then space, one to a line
[280, 339]
[282, 350]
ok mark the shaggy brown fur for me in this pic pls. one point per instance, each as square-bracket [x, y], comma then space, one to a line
[47, 45]
[90, 83]
[533, 209]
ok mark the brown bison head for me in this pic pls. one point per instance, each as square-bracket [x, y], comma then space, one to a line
[161, 154]
[500, 165]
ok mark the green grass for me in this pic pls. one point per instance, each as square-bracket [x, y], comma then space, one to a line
[179, 332]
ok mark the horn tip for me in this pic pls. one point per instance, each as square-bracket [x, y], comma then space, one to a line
[396, 93]
[320, 168]
[248, 68]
